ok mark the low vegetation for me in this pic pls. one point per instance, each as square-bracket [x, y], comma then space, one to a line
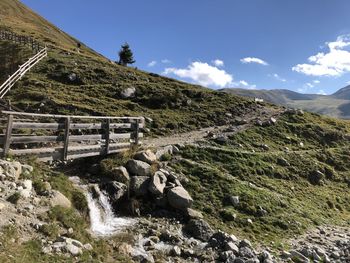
[275, 186]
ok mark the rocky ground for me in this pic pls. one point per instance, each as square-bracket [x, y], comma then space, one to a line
[167, 228]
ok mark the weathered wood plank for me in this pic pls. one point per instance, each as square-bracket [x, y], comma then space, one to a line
[73, 126]
[71, 116]
[107, 135]
[66, 138]
[7, 140]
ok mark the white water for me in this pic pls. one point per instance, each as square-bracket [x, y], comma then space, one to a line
[103, 220]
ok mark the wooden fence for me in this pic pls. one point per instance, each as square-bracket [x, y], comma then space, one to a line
[22, 40]
[62, 137]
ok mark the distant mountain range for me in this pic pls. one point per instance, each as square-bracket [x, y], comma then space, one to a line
[335, 105]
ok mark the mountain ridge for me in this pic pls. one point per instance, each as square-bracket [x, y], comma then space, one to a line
[335, 105]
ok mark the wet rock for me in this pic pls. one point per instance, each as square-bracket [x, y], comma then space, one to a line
[179, 198]
[157, 183]
[199, 229]
[116, 190]
[146, 156]
[138, 168]
[139, 185]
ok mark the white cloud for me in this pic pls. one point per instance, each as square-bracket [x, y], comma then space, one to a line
[321, 92]
[333, 63]
[166, 61]
[254, 60]
[245, 84]
[316, 81]
[309, 85]
[203, 74]
[152, 63]
[278, 77]
[218, 62]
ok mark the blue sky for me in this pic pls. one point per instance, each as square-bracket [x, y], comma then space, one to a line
[302, 45]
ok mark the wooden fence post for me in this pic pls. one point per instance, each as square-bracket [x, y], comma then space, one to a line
[7, 140]
[136, 132]
[107, 134]
[66, 138]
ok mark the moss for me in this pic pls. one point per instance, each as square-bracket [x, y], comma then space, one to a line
[14, 198]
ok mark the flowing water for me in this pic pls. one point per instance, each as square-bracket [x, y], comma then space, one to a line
[103, 220]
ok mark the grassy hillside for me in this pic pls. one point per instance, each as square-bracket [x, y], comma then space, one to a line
[335, 105]
[277, 184]
[97, 83]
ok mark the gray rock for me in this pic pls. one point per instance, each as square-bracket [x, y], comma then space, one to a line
[232, 247]
[139, 185]
[58, 199]
[120, 174]
[138, 168]
[246, 252]
[299, 256]
[245, 243]
[234, 200]
[193, 214]
[175, 251]
[199, 229]
[157, 183]
[179, 198]
[146, 156]
[165, 150]
[116, 190]
[316, 177]
[74, 250]
[227, 256]
[128, 93]
[283, 162]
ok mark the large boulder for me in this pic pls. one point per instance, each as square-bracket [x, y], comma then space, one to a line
[199, 229]
[157, 183]
[58, 199]
[120, 174]
[115, 190]
[179, 198]
[139, 168]
[128, 93]
[139, 185]
[146, 156]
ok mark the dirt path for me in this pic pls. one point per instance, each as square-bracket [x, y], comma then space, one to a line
[199, 135]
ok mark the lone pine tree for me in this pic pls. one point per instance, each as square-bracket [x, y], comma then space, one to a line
[125, 55]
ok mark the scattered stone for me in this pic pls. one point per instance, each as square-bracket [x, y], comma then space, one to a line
[234, 200]
[179, 198]
[199, 229]
[120, 174]
[139, 168]
[146, 156]
[193, 214]
[128, 93]
[58, 199]
[139, 185]
[157, 183]
[163, 151]
[316, 177]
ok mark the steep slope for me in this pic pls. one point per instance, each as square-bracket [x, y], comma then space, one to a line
[20, 19]
[335, 105]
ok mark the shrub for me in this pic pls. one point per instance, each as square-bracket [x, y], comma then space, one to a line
[14, 198]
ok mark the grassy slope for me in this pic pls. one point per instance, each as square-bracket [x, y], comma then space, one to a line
[291, 202]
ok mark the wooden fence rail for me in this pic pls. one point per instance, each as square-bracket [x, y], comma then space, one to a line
[63, 137]
[22, 40]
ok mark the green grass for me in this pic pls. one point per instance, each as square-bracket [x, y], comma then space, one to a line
[279, 199]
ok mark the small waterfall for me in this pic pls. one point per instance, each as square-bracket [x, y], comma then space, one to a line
[103, 220]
